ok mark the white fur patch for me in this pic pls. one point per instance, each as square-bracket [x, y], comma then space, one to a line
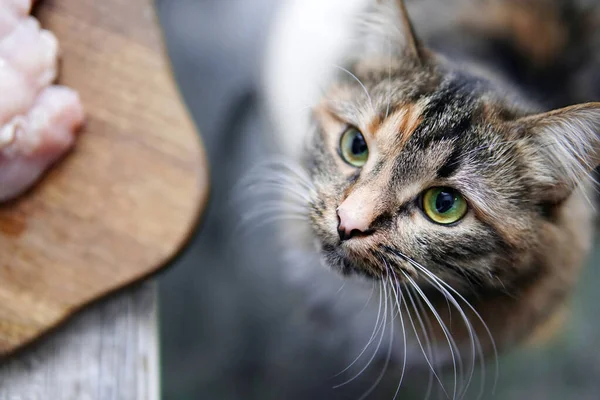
[308, 39]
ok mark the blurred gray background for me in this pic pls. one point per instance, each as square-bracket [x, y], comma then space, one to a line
[230, 326]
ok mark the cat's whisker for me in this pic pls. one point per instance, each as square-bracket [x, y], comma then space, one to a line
[448, 290]
[290, 202]
[281, 204]
[279, 191]
[293, 168]
[421, 310]
[274, 211]
[275, 179]
[279, 188]
[373, 335]
[267, 202]
[389, 81]
[475, 346]
[243, 233]
[384, 323]
[487, 329]
[277, 168]
[451, 343]
[360, 83]
[389, 351]
[457, 361]
[245, 227]
[270, 207]
[307, 107]
[368, 299]
[278, 205]
[428, 356]
[399, 298]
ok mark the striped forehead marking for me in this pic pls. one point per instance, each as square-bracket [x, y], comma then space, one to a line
[399, 125]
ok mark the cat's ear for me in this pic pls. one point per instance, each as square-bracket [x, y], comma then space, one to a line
[562, 148]
[414, 47]
[387, 28]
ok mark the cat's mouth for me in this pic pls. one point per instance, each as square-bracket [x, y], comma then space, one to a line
[354, 256]
[350, 261]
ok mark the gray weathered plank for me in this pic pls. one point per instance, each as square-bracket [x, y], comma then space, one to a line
[108, 352]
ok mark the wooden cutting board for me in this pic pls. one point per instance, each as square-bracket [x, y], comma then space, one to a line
[126, 199]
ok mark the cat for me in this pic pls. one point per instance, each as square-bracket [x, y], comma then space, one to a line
[444, 153]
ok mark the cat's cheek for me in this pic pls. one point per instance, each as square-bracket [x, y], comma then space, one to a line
[412, 225]
[324, 234]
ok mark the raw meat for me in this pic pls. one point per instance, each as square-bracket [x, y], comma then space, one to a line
[38, 121]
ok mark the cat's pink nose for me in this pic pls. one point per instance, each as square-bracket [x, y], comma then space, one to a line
[352, 222]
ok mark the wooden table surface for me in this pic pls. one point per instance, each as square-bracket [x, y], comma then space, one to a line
[108, 352]
[113, 212]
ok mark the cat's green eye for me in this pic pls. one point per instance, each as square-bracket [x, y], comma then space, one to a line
[353, 147]
[444, 205]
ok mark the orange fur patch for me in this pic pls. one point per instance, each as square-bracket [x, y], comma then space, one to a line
[374, 126]
[402, 122]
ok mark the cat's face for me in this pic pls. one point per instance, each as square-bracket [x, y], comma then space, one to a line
[425, 166]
